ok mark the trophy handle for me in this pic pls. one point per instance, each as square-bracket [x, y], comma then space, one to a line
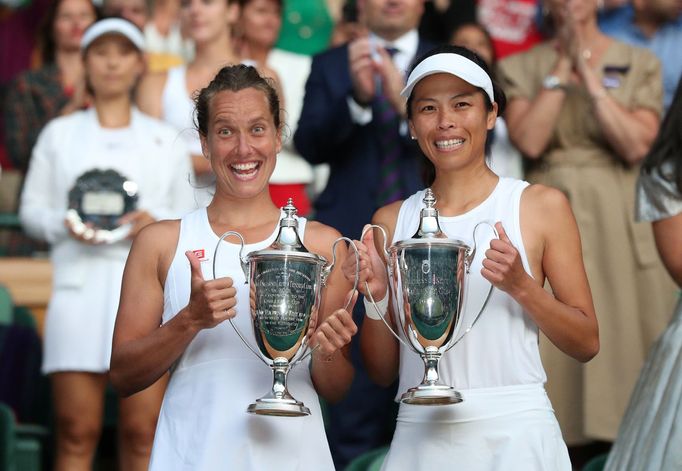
[369, 293]
[326, 271]
[245, 268]
[469, 258]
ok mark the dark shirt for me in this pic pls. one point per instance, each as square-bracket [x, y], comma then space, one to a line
[33, 99]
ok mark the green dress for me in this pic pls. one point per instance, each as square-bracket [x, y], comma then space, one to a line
[306, 27]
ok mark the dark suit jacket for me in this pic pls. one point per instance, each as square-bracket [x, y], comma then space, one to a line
[327, 134]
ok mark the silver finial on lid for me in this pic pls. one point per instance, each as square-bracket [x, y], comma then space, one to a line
[428, 219]
[287, 238]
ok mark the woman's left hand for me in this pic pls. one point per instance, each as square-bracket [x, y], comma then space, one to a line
[502, 265]
[138, 220]
[336, 331]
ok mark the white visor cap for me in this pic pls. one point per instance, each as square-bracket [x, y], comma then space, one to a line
[113, 26]
[454, 64]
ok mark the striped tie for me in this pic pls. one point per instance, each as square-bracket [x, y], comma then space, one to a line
[390, 188]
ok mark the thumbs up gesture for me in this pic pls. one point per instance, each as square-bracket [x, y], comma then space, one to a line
[210, 302]
[502, 265]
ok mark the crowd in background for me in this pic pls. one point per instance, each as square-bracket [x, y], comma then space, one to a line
[587, 83]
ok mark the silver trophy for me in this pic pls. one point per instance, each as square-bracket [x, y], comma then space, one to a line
[285, 285]
[427, 276]
[97, 201]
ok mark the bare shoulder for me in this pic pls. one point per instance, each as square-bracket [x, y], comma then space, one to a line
[387, 216]
[319, 237]
[156, 244]
[545, 201]
[149, 92]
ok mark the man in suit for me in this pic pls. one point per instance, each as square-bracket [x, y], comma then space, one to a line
[353, 119]
[341, 120]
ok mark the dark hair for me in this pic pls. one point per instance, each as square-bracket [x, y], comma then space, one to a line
[235, 78]
[46, 41]
[243, 3]
[428, 170]
[667, 147]
[488, 38]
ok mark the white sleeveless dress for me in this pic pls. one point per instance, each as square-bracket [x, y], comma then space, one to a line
[203, 424]
[506, 421]
[177, 109]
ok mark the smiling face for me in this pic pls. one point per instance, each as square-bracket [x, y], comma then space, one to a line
[112, 66]
[450, 119]
[390, 19]
[71, 20]
[206, 20]
[242, 142]
[261, 21]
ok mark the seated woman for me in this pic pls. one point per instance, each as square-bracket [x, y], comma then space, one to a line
[171, 314]
[506, 421]
[112, 135]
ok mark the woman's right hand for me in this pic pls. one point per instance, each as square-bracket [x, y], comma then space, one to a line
[210, 302]
[372, 269]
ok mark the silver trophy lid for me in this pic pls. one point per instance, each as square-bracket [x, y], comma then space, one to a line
[287, 238]
[429, 228]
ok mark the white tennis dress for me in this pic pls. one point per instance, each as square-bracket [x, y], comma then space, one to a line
[506, 422]
[203, 424]
[87, 278]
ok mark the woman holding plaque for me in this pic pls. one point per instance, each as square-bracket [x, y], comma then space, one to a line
[172, 312]
[80, 154]
[505, 421]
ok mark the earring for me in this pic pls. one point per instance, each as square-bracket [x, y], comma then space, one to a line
[414, 138]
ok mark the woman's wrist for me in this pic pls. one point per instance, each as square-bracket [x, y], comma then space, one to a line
[378, 309]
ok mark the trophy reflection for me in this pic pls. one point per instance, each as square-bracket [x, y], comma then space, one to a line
[285, 282]
[428, 279]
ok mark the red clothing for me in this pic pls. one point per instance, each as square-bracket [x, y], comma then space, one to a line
[511, 23]
[281, 193]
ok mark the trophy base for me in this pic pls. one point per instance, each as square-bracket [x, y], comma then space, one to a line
[278, 407]
[431, 395]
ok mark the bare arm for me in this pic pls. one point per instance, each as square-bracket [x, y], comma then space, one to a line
[332, 371]
[380, 350]
[629, 132]
[143, 349]
[668, 234]
[149, 92]
[551, 236]
[531, 123]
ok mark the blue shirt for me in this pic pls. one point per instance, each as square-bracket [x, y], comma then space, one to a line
[666, 43]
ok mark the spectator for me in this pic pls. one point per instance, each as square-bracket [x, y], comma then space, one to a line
[307, 25]
[502, 156]
[169, 95]
[57, 88]
[442, 17]
[513, 24]
[584, 110]
[87, 274]
[351, 119]
[165, 36]
[256, 33]
[135, 11]
[649, 434]
[655, 25]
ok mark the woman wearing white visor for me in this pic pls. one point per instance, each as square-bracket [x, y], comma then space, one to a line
[506, 421]
[112, 135]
